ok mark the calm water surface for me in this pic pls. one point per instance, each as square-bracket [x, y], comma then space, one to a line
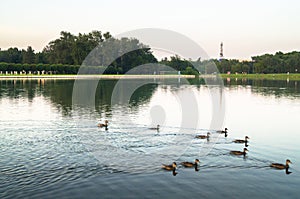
[52, 148]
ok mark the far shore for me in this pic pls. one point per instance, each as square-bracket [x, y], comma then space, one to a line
[2, 77]
[276, 76]
[279, 76]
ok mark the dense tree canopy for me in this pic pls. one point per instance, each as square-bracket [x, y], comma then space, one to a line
[71, 49]
[67, 53]
[278, 63]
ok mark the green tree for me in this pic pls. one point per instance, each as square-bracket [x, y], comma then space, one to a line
[28, 56]
[60, 50]
[11, 55]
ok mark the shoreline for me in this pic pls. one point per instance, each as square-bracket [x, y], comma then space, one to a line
[273, 76]
[8, 77]
[280, 76]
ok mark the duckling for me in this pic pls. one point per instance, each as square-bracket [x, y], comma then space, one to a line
[155, 128]
[225, 131]
[203, 136]
[281, 166]
[239, 152]
[171, 167]
[242, 141]
[190, 164]
[103, 125]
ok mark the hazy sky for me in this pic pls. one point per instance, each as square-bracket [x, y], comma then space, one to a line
[247, 28]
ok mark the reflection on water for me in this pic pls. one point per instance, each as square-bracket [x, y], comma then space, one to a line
[49, 149]
[59, 91]
[277, 88]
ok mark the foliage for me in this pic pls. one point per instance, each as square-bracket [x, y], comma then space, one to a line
[278, 63]
[65, 54]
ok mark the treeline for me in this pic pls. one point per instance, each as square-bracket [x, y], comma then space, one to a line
[278, 63]
[267, 63]
[68, 49]
[66, 54]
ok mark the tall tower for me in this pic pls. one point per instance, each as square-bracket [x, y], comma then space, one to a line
[221, 51]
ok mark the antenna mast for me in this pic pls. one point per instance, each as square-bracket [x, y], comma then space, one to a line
[221, 51]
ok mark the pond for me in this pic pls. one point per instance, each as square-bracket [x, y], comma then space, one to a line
[51, 146]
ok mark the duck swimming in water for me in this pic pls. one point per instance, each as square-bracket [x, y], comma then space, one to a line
[170, 167]
[155, 128]
[103, 125]
[239, 152]
[191, 164]
[242, 141]
[281, 166]
[203, 136]
[221, 131]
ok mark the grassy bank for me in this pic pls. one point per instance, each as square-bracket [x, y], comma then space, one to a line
[280, 76]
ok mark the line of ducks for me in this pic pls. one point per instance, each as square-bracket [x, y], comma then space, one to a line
[207, 136]
[173, 166]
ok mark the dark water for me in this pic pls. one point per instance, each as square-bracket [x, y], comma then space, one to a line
[50, 147]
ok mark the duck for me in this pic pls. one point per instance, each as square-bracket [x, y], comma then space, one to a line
[242, 141]
[191, 164]
[223, 131]
[239, 152]
[171, 167]
[155, 128]
[103, 125]
[281, 166]
[203, 136]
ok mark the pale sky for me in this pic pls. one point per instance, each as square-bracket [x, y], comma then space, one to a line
[247, 28]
